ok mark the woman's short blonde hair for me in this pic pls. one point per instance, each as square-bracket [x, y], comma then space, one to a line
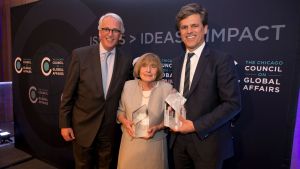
[148, 58]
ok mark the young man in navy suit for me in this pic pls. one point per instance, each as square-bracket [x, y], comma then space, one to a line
[208, 79]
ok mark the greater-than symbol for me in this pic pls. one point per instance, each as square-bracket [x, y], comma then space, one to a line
[132, 39]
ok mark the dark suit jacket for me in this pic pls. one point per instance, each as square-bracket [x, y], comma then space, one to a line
[83, 106]
[213, 100]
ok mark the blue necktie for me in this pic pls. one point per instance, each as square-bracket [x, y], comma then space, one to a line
[186, 86]
[104, 69]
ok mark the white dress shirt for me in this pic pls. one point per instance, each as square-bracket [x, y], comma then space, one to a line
[193, 65]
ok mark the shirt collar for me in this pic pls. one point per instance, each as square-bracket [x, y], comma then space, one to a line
[198, 51]
[102, 50]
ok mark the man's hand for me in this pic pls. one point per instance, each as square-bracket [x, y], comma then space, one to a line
[186, 127]
[67, 134]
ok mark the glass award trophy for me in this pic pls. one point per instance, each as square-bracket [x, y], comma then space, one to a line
[140, 121]
[174, 108]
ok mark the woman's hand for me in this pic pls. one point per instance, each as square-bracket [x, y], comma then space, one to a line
[152, 130]
[127, 124]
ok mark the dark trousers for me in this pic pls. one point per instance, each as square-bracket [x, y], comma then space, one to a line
[97, 156]
[186, 156]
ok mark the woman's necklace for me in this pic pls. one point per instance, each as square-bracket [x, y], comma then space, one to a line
[146, 93]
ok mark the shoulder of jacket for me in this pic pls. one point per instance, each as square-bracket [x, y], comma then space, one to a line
[84, 48]
[124, 55]
[131, 83]
[84, 51]
[178, 58]
[165, 85]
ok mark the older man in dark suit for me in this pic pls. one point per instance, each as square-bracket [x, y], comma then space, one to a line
[93, 87]
[207, 78]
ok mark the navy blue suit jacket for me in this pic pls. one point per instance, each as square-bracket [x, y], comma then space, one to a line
[214, 99]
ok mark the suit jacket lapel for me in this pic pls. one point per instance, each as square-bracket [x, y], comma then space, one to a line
[96, 65]
[202, 63]
[116, 71]
[177, 68]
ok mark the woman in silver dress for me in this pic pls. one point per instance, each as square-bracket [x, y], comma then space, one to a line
[141, 111]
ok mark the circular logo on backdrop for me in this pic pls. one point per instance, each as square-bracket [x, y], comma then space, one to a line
[41, 114]
[18, 65]
[45, 66]
[32, 93]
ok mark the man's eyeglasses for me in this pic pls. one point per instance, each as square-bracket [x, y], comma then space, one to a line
[107, 30]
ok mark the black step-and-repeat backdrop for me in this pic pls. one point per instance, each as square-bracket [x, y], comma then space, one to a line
[263, 37]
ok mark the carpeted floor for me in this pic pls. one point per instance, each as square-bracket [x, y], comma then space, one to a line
[13, 158]
[10, 156]
[32, 164]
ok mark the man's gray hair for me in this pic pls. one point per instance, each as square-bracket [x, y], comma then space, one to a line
[117, 17]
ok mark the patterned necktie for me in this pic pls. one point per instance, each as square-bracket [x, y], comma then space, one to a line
[187, 75]
[104, 69]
